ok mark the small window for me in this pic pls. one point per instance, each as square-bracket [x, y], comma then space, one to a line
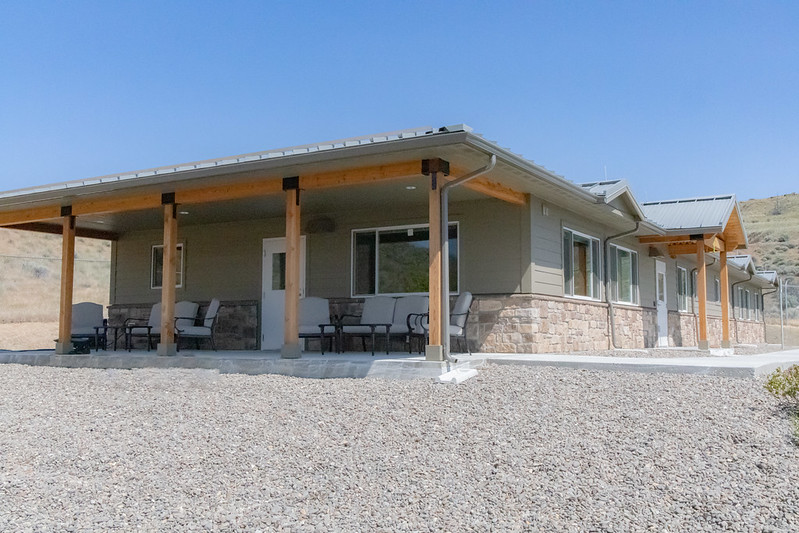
[396, 260]
[694, 281]
[740, 303]
[716, 296]
[682, 289]
[581, 272]
[157, 267]
[748, 305]
[624, 274]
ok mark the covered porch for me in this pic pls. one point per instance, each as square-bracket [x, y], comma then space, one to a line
[295, 189]
[698, 227]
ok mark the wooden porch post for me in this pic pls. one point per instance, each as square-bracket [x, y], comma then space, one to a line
[64, 344]
[167, 346]
[725, 302]
[291, 324]
[701, 293]
[434, 351]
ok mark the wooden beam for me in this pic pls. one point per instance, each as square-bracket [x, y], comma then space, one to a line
[234, 191]
[360, 176]
[168, 280]
[715, 244]
[701, 293]
[45, 227]
[291, 321]
[682, 248]
[725, 302]
[100, 206]
[486, 186]
[64, 344]
[656, 239]
[34, 214]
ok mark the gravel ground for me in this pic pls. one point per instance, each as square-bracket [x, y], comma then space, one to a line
[514, 449]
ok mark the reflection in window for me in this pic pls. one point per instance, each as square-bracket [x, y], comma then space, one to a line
[581, 273]
[396, 260]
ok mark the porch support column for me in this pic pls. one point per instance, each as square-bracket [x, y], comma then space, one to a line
[64, 343]
[725, 302]
[434, 351]
[701, 293]
[291, 324]
[167, 346]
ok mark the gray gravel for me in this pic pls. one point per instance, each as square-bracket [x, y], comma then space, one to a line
[514, 449]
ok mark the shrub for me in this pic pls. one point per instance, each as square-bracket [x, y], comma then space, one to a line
[784, 383]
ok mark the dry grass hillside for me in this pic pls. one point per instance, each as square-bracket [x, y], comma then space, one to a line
[30, 276]
[772, 225]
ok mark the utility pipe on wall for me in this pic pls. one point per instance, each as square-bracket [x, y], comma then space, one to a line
[608, 299]
[444, 229]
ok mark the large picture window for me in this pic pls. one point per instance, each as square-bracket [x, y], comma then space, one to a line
[396, 260]
[624, 272]
[581, 272]
[682, 289]
[157, 267]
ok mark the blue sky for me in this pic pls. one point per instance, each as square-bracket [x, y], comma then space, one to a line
[680, 98]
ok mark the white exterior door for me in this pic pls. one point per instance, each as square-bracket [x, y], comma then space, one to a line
[273, 294]
[661, 302]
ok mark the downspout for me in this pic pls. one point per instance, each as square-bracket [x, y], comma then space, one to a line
[693, 303]
[732, 288]
[608, 299]
[444, 229]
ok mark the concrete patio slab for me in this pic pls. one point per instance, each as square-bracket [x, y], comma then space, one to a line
[741, 366]
[400, 366]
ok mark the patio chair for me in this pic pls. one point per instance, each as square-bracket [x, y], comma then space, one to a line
[88, 324]
[315, 321]
[185, 315]
[205, 330]
[459, 314]
[377, 315]
[406, 307]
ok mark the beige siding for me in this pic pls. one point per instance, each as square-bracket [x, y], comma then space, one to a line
[225, 260]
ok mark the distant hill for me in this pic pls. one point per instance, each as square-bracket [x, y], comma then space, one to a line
[772, 225]
[30, 274]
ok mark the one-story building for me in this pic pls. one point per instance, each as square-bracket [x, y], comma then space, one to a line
[553, 265]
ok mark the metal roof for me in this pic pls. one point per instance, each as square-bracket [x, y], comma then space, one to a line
[712, 212]
[243, 158]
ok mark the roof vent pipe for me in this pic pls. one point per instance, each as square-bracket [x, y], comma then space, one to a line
[444, 229]
[608, 299]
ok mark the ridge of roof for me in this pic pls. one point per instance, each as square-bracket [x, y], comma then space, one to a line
[690, 200]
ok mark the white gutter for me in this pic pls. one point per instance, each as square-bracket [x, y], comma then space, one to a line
[444, 232]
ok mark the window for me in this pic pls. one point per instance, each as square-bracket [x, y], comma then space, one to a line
[741, 303]
[396, 260]
[624, 273]
[157, 267]
[716, 296]
[682, 289]
[581, 273]
[748, 305]
[694, 282]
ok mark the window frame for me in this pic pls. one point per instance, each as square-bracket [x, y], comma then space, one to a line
[634, 274]
[596, 282]
[180, 273]
[376, 265]
[683, 290]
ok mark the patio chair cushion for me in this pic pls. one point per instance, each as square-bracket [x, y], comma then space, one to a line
[314, 312]
[460, 311]
[378, 310]
[195, 331]
[185, 314]
[85, 317]
[211, 313]
[408, 305]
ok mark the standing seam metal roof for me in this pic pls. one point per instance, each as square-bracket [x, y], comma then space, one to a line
[691, 213]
